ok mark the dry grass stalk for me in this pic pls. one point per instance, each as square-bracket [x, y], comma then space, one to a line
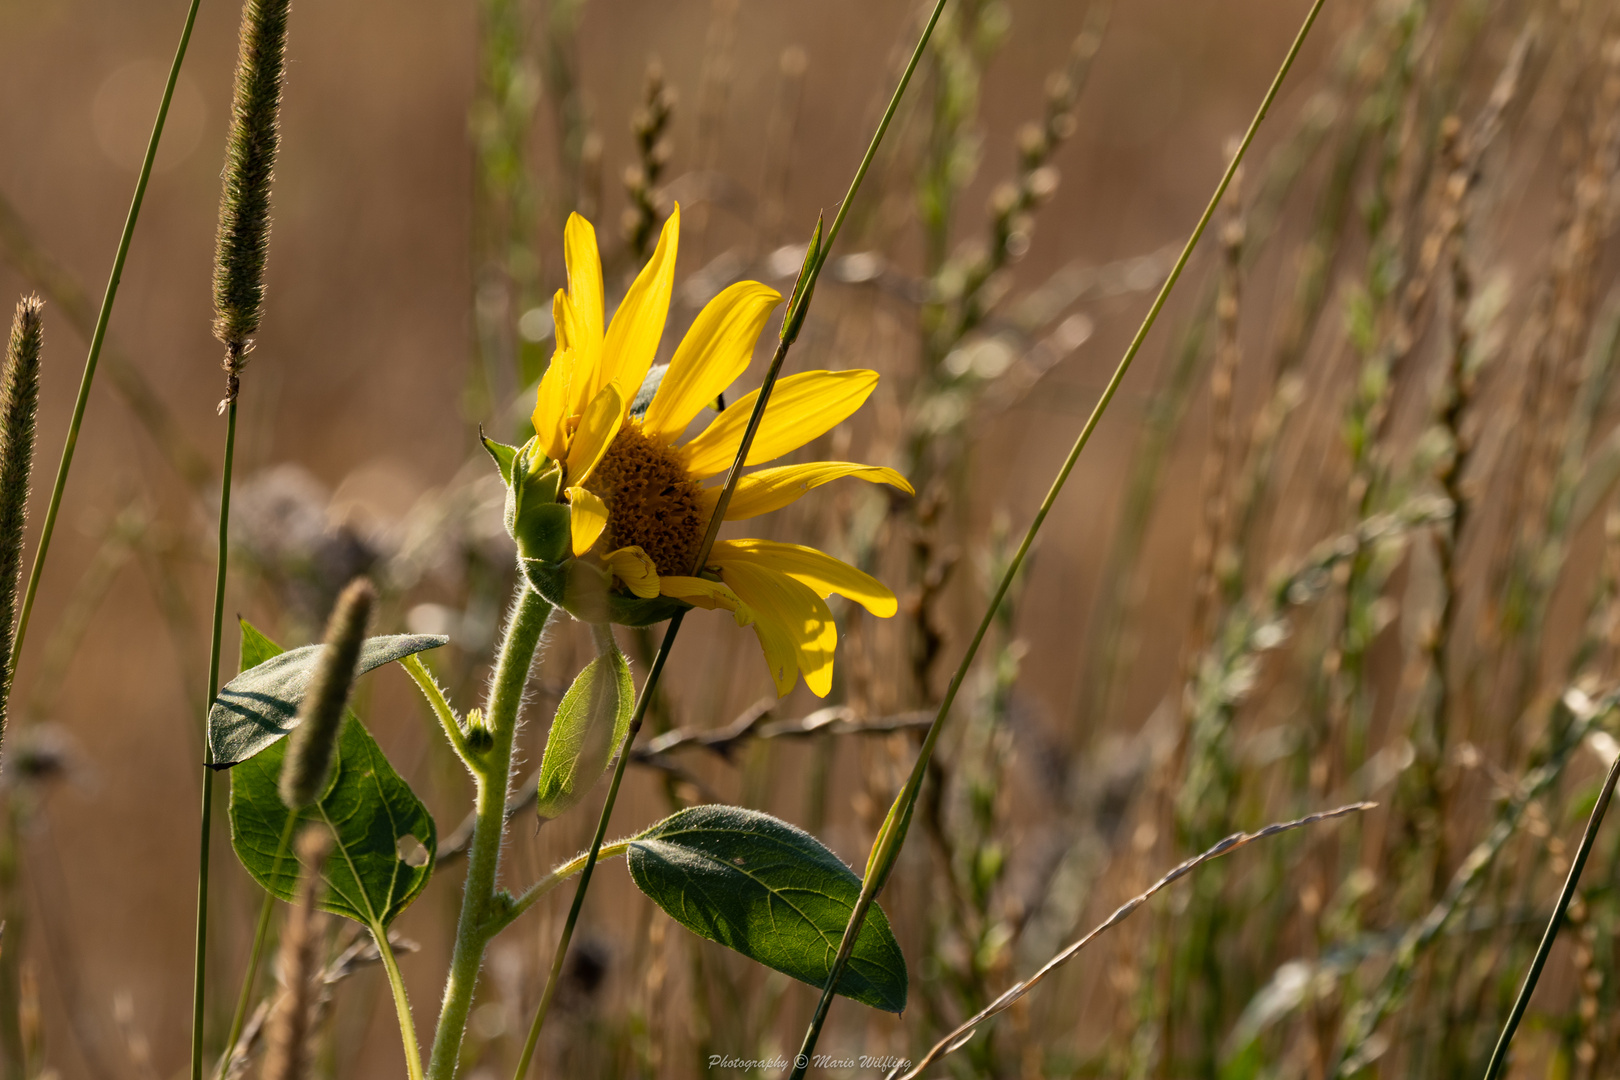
[650, 127]
[287, 1056]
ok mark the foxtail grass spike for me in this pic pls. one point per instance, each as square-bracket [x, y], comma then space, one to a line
[19, 400]
[313, 741]
[287, 1057]
[244, 209]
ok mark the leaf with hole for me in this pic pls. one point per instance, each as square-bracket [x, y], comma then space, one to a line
[385, 840]
[770, 891]
[591, 721]
[260, 705]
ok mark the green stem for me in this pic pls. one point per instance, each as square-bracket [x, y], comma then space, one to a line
[492, 774]
[557, 876]
[1522, 1002]
[402, 1004]
[595, 853]
[260, 934]
[204, 843]
[892, 836]
[441, 708]
[96, 340]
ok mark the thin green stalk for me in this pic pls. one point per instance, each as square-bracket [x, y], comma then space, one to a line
[492, 771]
[439, 704]
[402, 1004]
[260, 934]
[100, 335]
[1522, 1002]
[205, 839]
[892, 835]
[557, 876]
[792, 322]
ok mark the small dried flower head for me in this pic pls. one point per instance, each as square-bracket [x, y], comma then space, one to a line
[244, 211]
[311, 745]
[19, 400]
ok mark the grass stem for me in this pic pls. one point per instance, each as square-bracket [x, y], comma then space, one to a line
[205, 839]
[100, 336]
[1588, 838]
[892, 835]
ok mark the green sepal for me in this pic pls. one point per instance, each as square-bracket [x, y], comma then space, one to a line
[501, 453]
[534, 518]
[590, 723]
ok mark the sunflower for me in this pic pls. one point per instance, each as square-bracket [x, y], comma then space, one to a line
[607, 435]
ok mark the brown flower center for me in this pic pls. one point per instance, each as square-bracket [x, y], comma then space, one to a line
[652, 503]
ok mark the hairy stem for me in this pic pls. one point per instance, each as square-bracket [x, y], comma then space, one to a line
[402, 1004]
[492, 774]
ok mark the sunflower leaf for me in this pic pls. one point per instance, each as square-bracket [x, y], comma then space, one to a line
[770, 891]
[384, 838]
[591, 721]
[260, 705]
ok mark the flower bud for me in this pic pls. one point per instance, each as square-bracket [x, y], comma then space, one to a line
[534, 518]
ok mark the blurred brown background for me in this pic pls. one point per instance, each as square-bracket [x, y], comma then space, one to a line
[367, 378]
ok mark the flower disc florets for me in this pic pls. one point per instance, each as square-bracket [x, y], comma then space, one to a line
[652, 502]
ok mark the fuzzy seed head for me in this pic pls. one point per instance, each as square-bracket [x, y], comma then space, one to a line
[19, 401]
[313, 742]
[244, 211]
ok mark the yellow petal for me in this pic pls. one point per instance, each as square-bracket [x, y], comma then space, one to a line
[814, 569]
[715, 351]
[793, 625]
[802, 407]
[598, 424]
[632, 337]
[771, 489]
[703, 593]
[587, 517]
[551, 405]
[636, 569]
[584, 287]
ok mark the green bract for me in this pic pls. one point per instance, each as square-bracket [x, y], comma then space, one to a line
[538, 523]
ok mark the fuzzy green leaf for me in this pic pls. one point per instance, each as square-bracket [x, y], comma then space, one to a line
[260, 705]
[591, 721]
[770, 891]
[384, 839]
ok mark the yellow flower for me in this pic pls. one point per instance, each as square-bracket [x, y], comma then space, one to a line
[638, 504]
